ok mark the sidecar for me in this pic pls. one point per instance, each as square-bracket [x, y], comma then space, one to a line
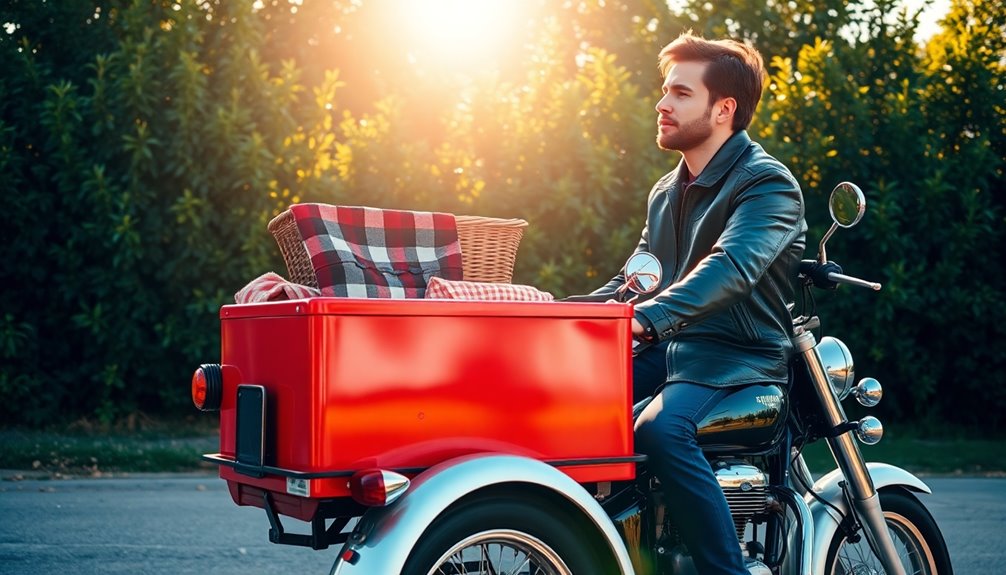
[330, 407]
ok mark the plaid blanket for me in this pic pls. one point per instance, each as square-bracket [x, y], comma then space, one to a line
[271, 286]
[374, 253]
[484, 291]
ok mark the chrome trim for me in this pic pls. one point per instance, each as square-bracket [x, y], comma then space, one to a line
[869, 430]
[868, 392]
[385, 536]
[826, 521]
[844, 447]
[798, 468]
[806, 557]
[850, 460]
[736, 475]
[804, 341]
[521, 541]
[837, 362]
[875, 530]
[395, 485]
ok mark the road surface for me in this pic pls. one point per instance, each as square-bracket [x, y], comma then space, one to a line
[177, 525]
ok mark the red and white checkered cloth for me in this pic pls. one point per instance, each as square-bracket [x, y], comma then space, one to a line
[376, 253]
[439, 288]
[272, 287]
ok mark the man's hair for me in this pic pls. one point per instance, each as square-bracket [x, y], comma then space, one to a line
[735, 71]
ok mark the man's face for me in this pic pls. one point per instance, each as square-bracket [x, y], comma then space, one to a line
[684, 115]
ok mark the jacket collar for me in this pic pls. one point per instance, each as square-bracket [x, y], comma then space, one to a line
[722, 161]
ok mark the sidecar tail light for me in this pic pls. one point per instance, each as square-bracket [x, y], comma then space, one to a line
[207, 386]
[377, 487]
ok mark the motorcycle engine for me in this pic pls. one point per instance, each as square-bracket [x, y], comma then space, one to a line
[746, 490]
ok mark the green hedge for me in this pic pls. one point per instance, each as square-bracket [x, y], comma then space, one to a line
[144, 146]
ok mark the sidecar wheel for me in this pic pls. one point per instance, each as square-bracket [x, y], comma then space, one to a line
[506, 536]
[916, 537]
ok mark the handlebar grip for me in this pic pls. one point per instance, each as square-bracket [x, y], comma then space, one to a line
[819, 274]
[839, 278]
[829, 274]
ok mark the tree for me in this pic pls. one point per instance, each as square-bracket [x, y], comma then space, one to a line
[906, 127]
[145, 144]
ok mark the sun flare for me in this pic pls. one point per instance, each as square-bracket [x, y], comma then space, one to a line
[458, 31]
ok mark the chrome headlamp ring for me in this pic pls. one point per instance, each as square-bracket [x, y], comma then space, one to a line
[837, 362]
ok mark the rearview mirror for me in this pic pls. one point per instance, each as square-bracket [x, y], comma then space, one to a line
[847, 204]
[642, 272]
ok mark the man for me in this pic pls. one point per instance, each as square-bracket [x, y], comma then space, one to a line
[727, 225]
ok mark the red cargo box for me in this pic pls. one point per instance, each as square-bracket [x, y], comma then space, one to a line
[405, 384]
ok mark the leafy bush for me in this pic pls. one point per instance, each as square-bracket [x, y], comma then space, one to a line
[144, 146]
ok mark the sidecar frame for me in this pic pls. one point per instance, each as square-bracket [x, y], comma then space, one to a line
[405, 385]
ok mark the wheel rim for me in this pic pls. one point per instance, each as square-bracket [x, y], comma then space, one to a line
[500, 552]
[913, 551]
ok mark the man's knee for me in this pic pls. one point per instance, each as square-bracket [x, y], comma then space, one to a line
[663, 430]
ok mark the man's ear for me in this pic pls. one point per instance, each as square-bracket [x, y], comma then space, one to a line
[725, 109]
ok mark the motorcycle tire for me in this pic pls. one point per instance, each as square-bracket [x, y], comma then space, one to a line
[916, 537]
[499, 534]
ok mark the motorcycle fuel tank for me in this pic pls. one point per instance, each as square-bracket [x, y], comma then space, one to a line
[750, 418]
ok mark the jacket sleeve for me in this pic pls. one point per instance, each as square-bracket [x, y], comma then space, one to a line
[765, 222]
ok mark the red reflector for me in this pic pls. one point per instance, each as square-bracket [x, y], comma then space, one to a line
[207, 386]
[199, 388]
[350, 556]
[377, 487]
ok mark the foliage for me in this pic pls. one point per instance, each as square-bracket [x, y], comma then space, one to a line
[145, 144]
[922, 131]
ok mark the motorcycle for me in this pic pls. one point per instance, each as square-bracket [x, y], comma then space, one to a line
[514, 484]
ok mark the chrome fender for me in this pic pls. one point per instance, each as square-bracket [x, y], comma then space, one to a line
[385, 536]
[826, 520]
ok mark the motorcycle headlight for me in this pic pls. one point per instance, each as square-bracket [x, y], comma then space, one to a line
[837, 362]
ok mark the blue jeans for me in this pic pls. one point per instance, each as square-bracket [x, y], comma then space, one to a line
[666, 433]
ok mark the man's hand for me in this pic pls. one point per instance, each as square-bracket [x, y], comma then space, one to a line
[637, 328]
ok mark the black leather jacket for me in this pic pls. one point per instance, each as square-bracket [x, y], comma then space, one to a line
[730, 245]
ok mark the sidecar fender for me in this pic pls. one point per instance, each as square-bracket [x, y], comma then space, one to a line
[385, 536]
[826, 519]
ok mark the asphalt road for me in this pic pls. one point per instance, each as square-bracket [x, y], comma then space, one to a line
[180, 525]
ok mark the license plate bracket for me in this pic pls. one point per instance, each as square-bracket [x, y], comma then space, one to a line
[250, 438]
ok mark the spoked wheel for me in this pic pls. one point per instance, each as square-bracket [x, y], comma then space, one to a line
[508, 536]
[916, 538]
[501, 551]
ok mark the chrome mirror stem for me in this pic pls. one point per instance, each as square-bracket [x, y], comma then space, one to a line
[822, 255]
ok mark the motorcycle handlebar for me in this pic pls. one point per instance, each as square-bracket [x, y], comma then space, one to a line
[839, 278]
[828, 275]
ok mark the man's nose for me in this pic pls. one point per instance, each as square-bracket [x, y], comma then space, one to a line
[663, 106]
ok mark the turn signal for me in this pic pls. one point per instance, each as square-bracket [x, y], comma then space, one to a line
[870, 430]
[868, 392]
[377, 487]
[207, 386]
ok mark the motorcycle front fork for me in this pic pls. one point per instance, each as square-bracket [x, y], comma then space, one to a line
[865, 501]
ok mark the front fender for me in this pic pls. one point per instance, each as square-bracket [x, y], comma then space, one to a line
[385, 536]
[826, 520]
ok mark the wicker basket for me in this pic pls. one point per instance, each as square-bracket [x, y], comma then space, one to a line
[488, 248]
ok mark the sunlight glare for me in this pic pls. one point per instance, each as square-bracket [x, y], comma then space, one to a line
[459, 31]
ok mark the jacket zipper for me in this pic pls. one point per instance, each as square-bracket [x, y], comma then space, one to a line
[677, 231]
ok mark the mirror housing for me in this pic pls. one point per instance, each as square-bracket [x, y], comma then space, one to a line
[643, 273]
[847, 205]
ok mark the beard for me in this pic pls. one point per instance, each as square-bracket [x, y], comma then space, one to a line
[687, 136]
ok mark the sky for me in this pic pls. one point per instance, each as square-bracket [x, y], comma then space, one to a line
[929, 22]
